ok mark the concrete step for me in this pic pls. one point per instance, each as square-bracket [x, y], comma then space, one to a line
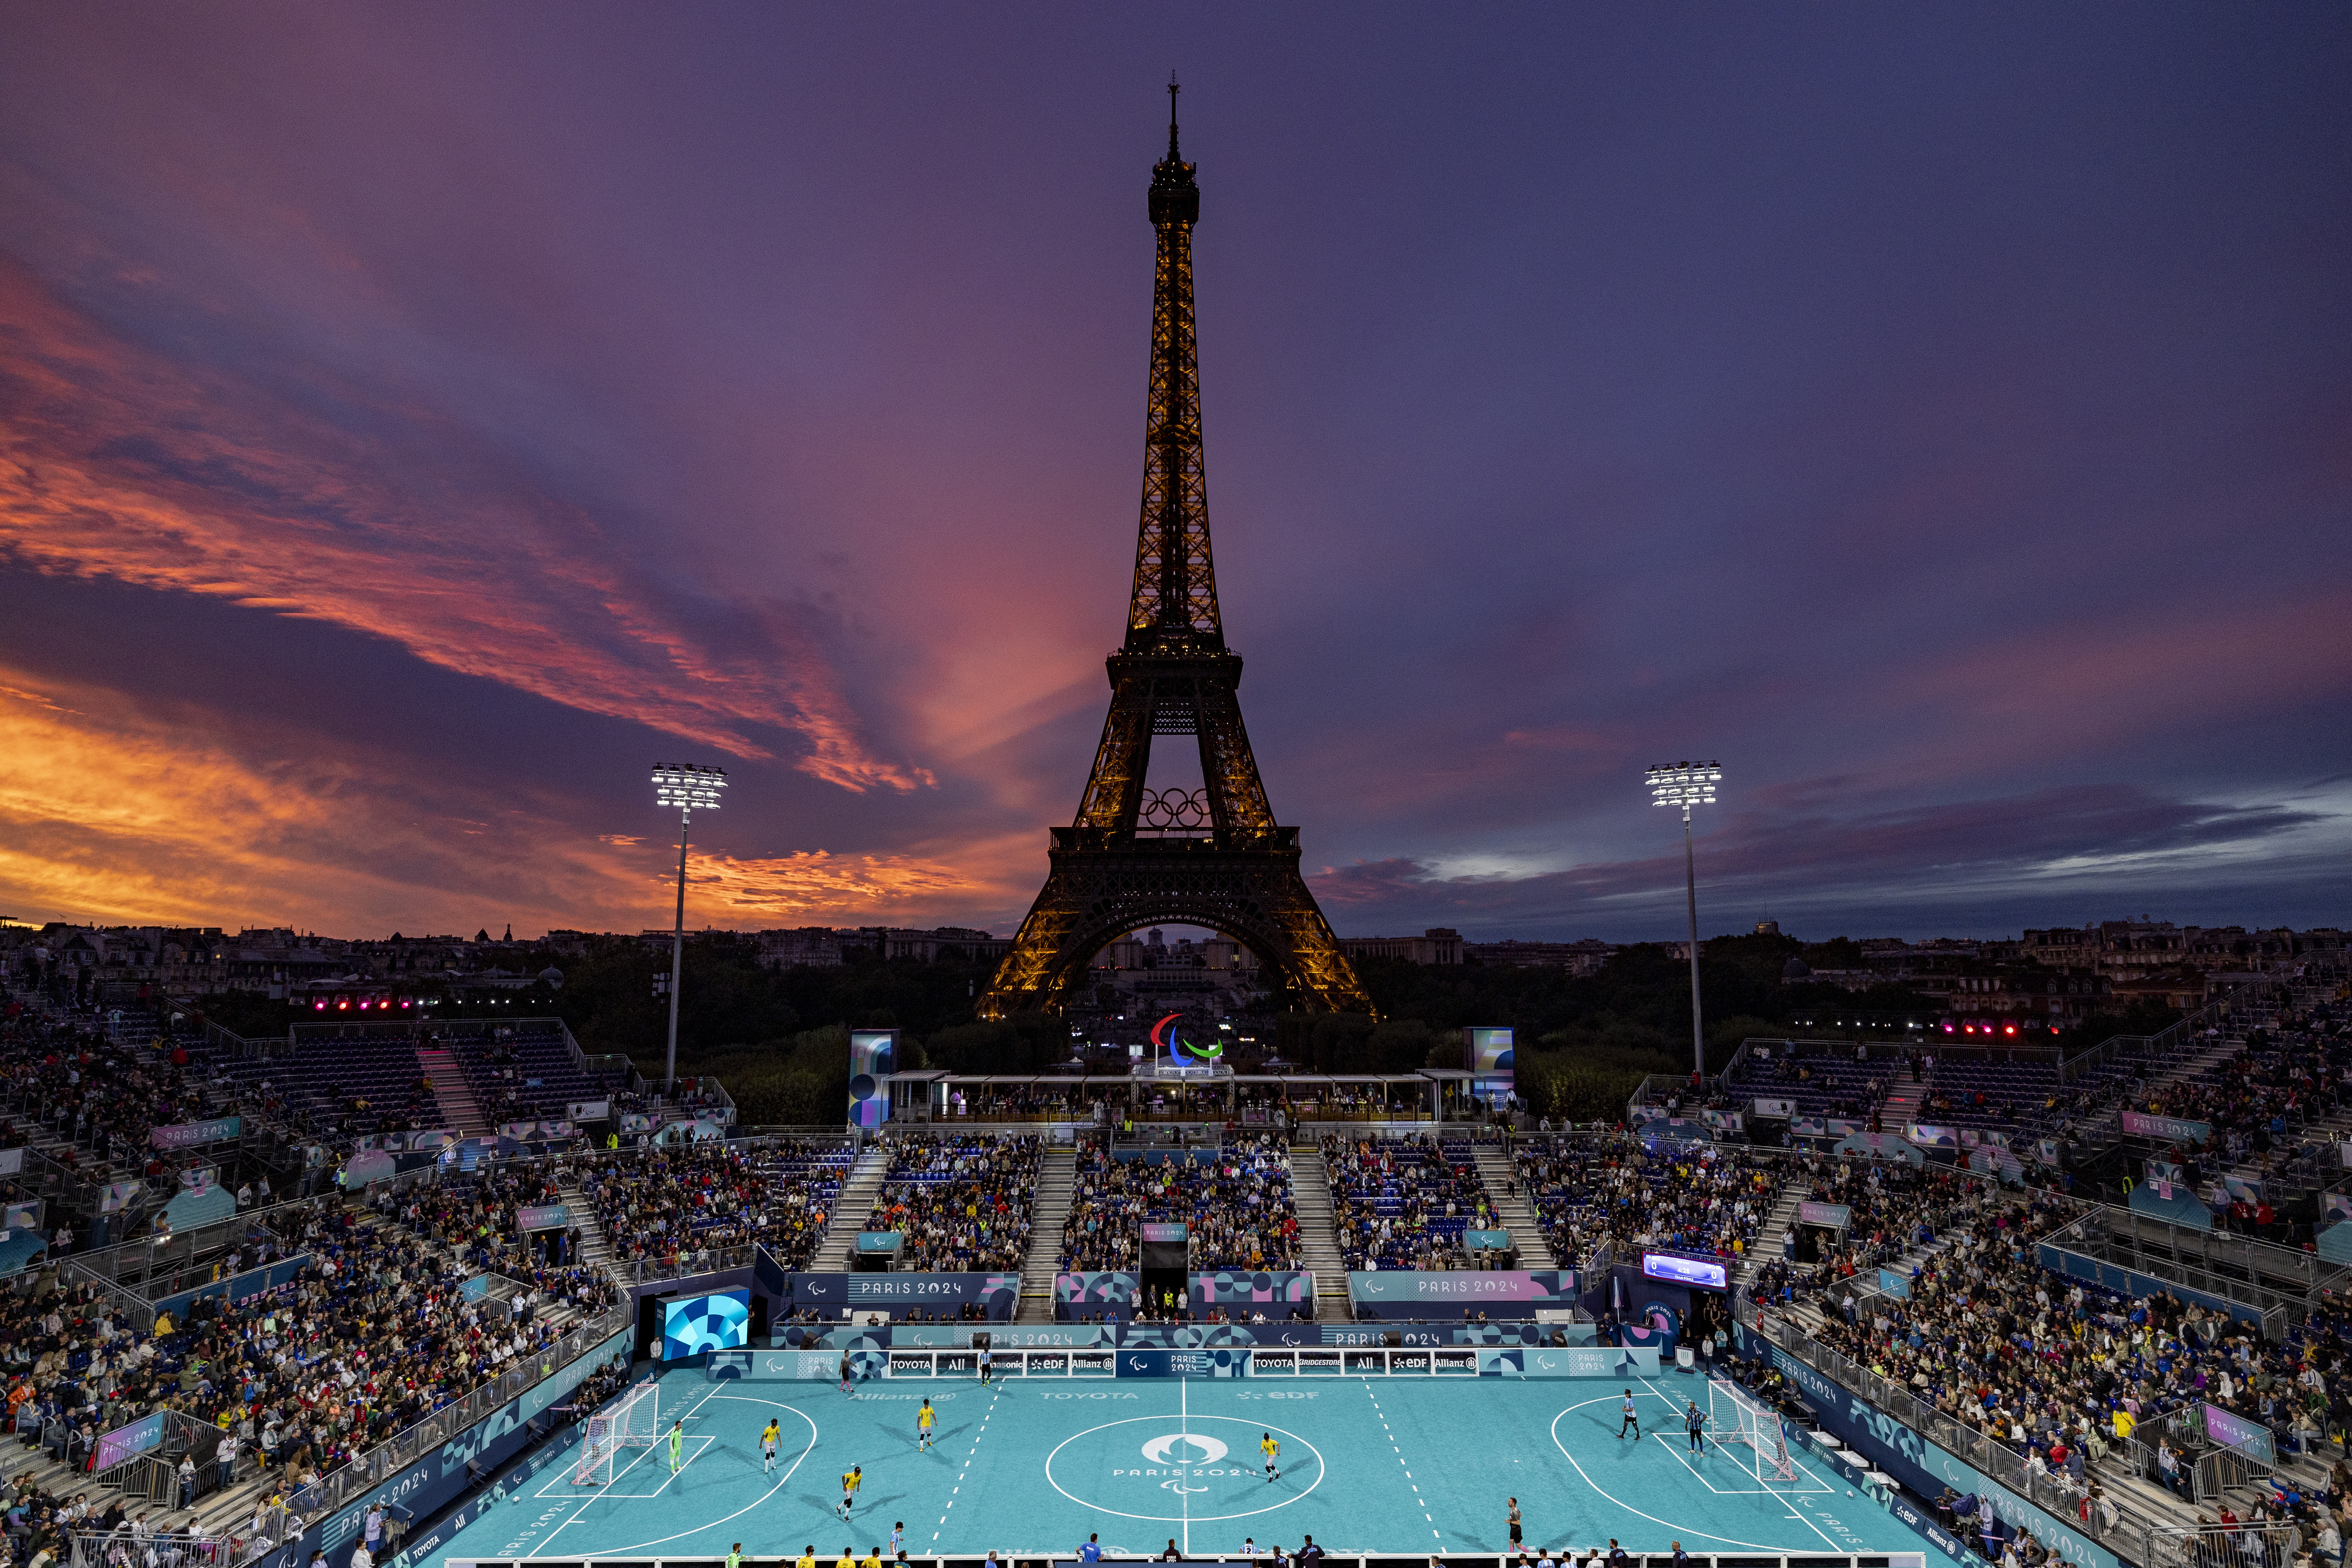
[594, 1247]
[451, 1092]
[1501, 1174]
[1776, 1223]
[850, 1207]
[1057, 1176]
[1319, 1243]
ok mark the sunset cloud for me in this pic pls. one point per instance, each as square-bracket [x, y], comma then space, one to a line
[118, 461]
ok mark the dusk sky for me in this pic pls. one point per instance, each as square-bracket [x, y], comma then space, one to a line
[420, 420]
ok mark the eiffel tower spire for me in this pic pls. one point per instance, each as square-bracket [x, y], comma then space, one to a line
[1213, 856]
[1174, 605]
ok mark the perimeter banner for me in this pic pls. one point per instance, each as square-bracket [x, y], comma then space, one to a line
[995, 1294]
[1496, 1293]
[2232, 1430]
[2171, 1128]
[186, 1134]
[1275, 1291]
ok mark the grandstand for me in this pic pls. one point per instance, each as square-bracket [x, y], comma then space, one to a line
[1235, 1200]
[958, 1201]
[1405, 1203]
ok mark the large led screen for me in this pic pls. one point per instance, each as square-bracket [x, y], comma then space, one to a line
[699, 1323]
[1675, 1270]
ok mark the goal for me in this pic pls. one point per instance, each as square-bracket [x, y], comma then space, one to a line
[1742, 1421]
[631, 1421]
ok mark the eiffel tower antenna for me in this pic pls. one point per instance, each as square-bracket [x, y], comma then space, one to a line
[1135, 856]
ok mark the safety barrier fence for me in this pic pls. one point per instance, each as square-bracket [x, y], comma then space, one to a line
[1336, 1557]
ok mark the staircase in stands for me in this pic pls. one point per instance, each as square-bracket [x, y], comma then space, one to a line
[1057, 1180]
[451, 1092]
[1501, 1174]
[850, 1207]
[595, 1251]
[1318, 1241]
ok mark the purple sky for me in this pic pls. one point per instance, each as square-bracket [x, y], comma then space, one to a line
[421, 419]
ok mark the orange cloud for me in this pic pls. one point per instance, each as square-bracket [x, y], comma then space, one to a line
[819, 882]
[121, 811]
[340, 504]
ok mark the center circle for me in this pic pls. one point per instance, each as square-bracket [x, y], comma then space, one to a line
[1137, 1474]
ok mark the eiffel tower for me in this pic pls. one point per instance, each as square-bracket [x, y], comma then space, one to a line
[1212, 856]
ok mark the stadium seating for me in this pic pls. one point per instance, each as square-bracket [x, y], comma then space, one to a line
[959, 1200]
[668, 1203]
[1404, 1202]
[1703, 1199]
[524, 1075]
[1239, 1207]
[1822, 1083]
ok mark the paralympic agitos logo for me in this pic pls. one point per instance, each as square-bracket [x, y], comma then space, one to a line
[1179, 1051]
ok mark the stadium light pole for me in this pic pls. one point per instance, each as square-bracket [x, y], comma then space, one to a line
[1687, 785]
[685, 786]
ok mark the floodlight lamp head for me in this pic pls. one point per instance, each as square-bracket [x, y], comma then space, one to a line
[687, 788]
[1684, 784]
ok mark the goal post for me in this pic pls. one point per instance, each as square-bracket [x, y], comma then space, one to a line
[1742, 1421]
[631, 1421]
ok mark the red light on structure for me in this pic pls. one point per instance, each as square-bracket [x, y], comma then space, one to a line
[2009, 1030]
[319, 1006]
[343, 1006]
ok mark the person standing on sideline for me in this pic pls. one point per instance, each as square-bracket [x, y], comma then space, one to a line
[735, 1555]
[1695, 1422]
[1092, 1551]
[1628, 1416]
[844, 1373]
[807, 1557]
[1681, 1558]
[770, 1435]
[1512, 1517]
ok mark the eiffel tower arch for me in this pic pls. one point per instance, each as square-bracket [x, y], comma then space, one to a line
[1211, 857]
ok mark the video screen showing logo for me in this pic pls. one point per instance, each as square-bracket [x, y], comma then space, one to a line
[1165, 1036]
[700, 1323]
[1686, 1271]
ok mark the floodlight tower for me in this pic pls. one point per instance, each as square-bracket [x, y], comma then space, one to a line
[685, 786]
[1687, 785]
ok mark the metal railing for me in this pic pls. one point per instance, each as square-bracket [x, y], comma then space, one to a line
[2151, 1543]
[2169, 1038]
[126, 1548]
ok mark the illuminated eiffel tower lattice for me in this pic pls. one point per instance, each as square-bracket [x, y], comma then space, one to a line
[1210, 856]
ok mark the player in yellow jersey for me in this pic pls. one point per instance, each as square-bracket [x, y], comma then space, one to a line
[808, 1556]
[851, 1479]
[923, 1419]
[1273, 1452]
[848, 1558]
[770, 1435]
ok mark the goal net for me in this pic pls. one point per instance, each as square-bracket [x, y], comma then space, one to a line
[631, 1421]
[1741, 1421]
